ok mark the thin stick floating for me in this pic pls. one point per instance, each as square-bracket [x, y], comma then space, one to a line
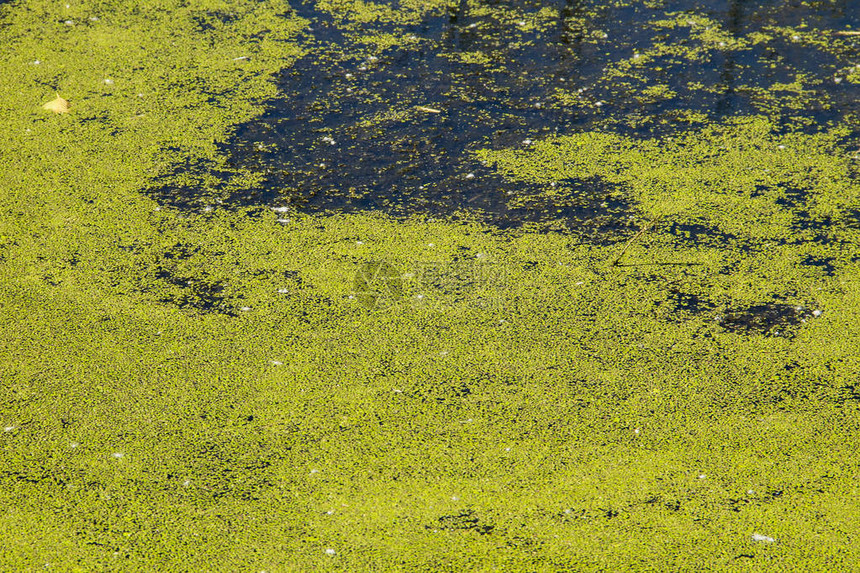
[632, 239]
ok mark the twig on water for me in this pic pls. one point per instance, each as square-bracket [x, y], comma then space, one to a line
[632, 239]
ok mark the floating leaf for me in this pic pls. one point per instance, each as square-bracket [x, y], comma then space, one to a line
[58, 105]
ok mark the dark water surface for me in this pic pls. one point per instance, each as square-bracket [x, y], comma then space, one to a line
[395, 130]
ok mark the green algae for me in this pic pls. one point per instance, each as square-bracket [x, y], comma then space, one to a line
[583, 421]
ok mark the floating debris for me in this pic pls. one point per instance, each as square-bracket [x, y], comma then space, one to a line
[58, 105]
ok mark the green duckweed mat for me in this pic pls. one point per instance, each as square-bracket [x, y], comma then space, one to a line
[243, 389]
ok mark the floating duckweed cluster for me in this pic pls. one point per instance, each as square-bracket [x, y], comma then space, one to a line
[205, 369]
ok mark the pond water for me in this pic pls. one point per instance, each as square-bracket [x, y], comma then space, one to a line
[482, 285]
[386, 111]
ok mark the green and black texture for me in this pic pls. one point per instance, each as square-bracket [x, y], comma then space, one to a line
[430, 285]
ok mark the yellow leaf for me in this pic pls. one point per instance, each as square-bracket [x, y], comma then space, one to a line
[58, 105]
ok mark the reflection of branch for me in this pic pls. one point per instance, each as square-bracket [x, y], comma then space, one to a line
[848, 33]
[630, 242]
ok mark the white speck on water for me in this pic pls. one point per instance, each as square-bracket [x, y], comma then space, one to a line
[605, 35]
[245, 308]
[722, 44]
[599, 104]
[702, 476]
[349, 90]
[521, 23]
[350, 297]
[186, 483]
[94, 18]
[240, 58]
[538, 105]
[527, 142]
[470, 176]
[69, 23]
[431, 245]
[362, 68]
[327, 139]
[207, 209]
[507, 449]
[108, 82]
[795, 37]
[764, 538]
[349, 76]
[750, 492]
[455, 498]
[635, 56]
[473, 25]
[74, 445]
[780, 147]
[8, 428]
[479, 255]
[330, 512]
[816, 312]
[315, 471]
[798, 308]
[419, 296]
[372, 59]
[359, 242]
[322, 165]
[118, 455]
[139, 95]
[283, 290]
[277, 363]
[280, 209]
[330, 551]
[36, 62]
[580, 283]
[837, 80]
[283, 220]
[636, 431]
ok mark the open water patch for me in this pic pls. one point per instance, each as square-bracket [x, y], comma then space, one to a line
[389, 105]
